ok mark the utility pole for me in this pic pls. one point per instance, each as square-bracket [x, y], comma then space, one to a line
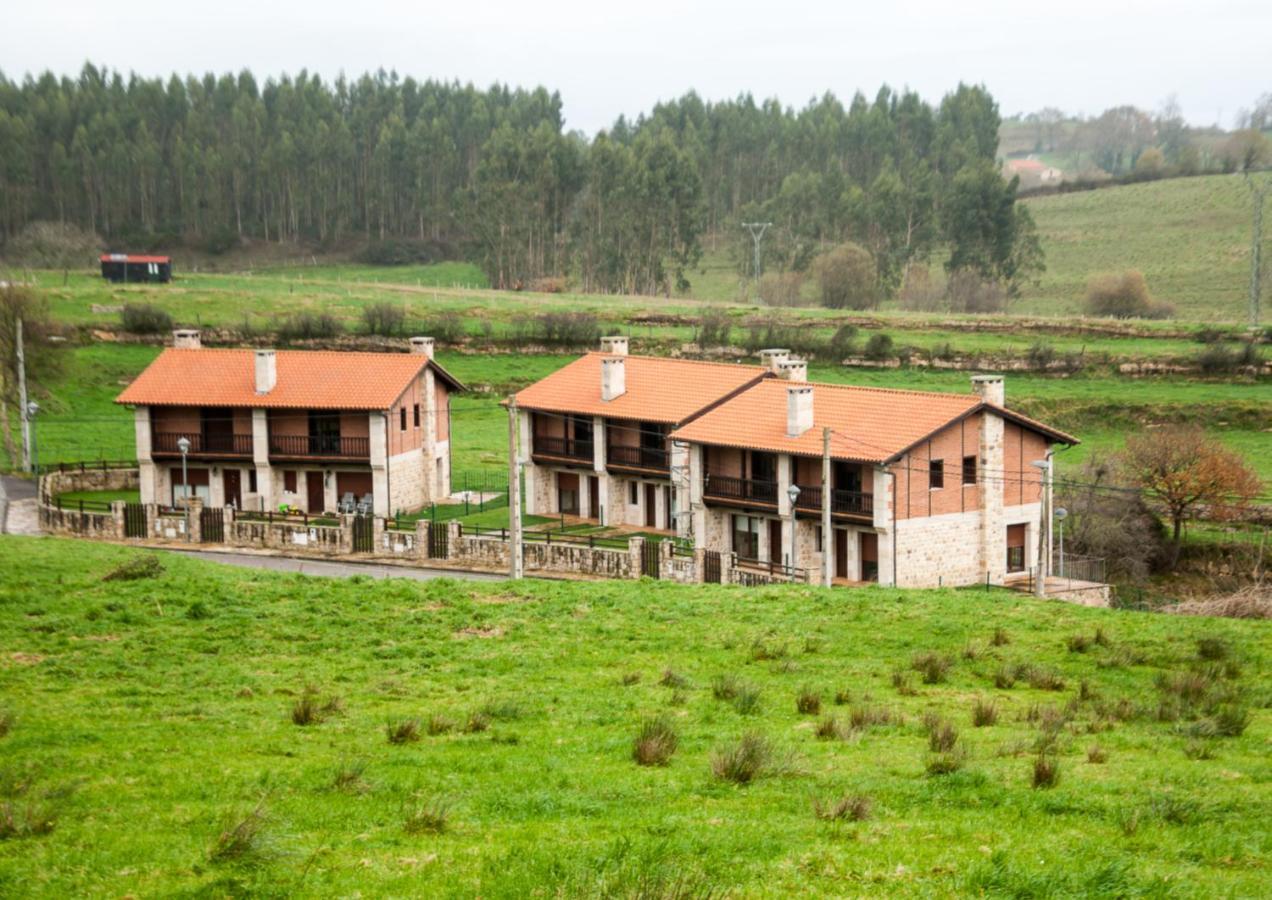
[757, 230]
[517, 563]
[22, 401]
[1258, 193]
[828, 536]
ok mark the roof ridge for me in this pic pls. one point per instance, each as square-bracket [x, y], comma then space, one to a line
[682, 359]
[909, 392]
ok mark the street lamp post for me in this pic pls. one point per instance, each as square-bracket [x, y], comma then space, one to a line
[1044, 533]
[1061, 515]
[792, 494]
[31, 409]
[183, 444]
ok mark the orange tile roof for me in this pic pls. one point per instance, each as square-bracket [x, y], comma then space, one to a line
[309, 379]
[868, 424]
[658, 389]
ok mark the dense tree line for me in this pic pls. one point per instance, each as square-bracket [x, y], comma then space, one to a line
[492, 174]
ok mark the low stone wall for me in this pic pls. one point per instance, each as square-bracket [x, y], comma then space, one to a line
[493, 551]
[325, 540]
[68, 478]
[80, 524]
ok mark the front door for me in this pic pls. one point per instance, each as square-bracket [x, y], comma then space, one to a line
[1015, 548]
[841, 553]
[234, 488]
[651, 506]
[775, 541]
[594, 497]
[568, 493]
[869, 556]
[314, 489]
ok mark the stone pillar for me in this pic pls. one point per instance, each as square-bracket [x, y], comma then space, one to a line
[195, 515]
[635, 549]
[117, 518]
[883, 486]
[697, 511]
[260, 458]
[700, 565]
[378, 432]
[993, 536]
[141, 424]
[598, 444]
[421, 538]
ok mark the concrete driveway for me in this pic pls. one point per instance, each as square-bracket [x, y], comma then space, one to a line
[18, 513]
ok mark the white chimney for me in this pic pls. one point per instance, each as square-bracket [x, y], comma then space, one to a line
[613, 378]
[266, 371]
[615, 344]
[422, 346]
[772, 358]
[799, 410]
[989, 388]
[187, 339]
[792, 370]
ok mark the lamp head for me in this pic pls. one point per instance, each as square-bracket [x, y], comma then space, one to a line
[183, 444]
[793, 493]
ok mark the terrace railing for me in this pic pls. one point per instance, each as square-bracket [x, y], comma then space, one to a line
[851, 503]
[225, 444]
[567, 448]
[726, 487]
[638, 457]
[320, 445]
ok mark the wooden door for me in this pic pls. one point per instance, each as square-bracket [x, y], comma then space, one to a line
[1015, 548]
[594, 497]
[651, 506]
[234, 488]
[775, 541]
[869, 556]
[841, 553]
[314, 490]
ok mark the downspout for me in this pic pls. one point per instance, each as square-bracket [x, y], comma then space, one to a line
[892, 479]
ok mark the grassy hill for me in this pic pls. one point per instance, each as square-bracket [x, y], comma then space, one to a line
[151, 745]
[1189, 236]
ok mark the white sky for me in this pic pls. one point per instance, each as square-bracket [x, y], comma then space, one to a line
[607, 58]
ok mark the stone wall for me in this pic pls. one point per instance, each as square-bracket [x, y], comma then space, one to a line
[59, 481]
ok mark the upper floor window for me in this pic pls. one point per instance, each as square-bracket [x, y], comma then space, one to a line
[969, 470]
[417, 415]
[402, 417]
[936, 474]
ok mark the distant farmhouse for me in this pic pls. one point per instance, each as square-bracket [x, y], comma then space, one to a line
[1032, 172]
[123, 268]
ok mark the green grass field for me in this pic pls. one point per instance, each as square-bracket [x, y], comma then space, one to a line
[149, 745]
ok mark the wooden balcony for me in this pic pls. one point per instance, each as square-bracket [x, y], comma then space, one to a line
[560, 449]
[167, 443]
[851, 504]
[325, 446]
[643, 459]
[739, 491]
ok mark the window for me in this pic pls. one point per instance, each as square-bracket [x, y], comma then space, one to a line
[746, 536]
[633, 493]
[402, 417]
[969, 470]
[417, 415]
[817, 539]
[251, 480]
[936, 474]
[289, 480]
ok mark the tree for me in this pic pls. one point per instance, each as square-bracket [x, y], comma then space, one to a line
[987, 231]
[1151, 163]
[1109, 519]
[847, 278]
[1245, 151]
[53, 245]
[1188, 473]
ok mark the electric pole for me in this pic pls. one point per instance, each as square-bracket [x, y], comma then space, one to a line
[757, 230]
[828, 536]
[22, 400]
[1258, 192]
[516, 568]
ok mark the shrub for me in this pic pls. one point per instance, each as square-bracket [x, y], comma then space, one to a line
[403, 731]
[309, 326]
[397, 252]
[383, 318]
[240, 836]
[1124, 296]
[426, 815]
[549, 284]
[135, 569]
[781, 288]
[918, 293]
[1097, 754]
[968, 292]
[655, 742]
[748, 759]
[852, 807]
[843, 341]
[1218, 359]
[808, 702]
[558, 329]
[879, 347]
[446, 327]
[1040, 356]
[984, 712]
[713, 330]
[1046, 771]
[932, 666]
[847, 278]
[145, 318]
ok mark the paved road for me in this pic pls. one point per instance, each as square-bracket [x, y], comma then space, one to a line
[332, 569]
[18, 514]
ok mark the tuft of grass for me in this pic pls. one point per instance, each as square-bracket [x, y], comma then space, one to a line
[305, 711]
[655, 742]
[1101, 637]
[904, 683]
[1199, 748]
[972, 651]
[1005, 677]
[198, 611]
[849, 807]
[862, 717]
[403, 731]
[1086, 692]
[240, 836]
[23, 820]
[1097, 754]
[439, 724]
[747, 699]
[765, 649]
[1213, 648]
[830, 729]
[426, 814]
[1046, 771]
[477, 722]
[808, 702]
[750, 758]
[135, 569]
[939, 764]
[942, 735]
[630, 678]
[933, 667]
[1078, 643]
[843, 697]
[984, 712]
[1230, 719]
[812, 644]
[348, 777]
[7, 721]
[725, 687]
[1000, 638]
[673, 679]
[1190, 687]
[1044, 679]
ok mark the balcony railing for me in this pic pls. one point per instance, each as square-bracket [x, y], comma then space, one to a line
[638, 457]
[320, 445]
[226, 444]
[567, 448]
[726, 487]
[849, 503]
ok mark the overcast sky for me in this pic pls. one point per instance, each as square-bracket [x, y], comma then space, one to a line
[612, 58]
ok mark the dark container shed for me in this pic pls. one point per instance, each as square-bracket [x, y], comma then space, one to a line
[124, 268]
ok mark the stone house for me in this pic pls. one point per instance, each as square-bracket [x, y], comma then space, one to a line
[296, 427]
[594, 434]
[926, 488]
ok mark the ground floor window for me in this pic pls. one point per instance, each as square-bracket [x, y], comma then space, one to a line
[869, 556]
[746, 536]
[568, 493]
[1015, 548]
[195, 484]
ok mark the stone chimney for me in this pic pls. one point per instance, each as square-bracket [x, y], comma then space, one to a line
[266, 371]
[792, 370]
[187, 339]
[799, 409]
[615, 344]
[613, 377]
[989, 388]
[423, 346]
[772, 358]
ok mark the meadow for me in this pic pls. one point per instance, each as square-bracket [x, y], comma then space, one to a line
[189, 728]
